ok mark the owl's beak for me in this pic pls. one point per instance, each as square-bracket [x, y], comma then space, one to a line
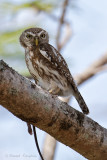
[36, 41]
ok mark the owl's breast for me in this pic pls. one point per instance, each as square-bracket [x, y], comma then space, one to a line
[38, 70]
[44, 74]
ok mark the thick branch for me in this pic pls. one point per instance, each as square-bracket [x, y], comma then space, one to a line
[31, 104]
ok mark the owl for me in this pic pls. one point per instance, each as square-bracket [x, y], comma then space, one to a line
[48, 67]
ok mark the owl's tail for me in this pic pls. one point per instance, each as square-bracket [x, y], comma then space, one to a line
[81, 101]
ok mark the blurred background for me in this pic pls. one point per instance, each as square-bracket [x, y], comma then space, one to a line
[78, 28]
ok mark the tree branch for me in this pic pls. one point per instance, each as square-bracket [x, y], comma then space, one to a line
[93, 69]
[36, 106]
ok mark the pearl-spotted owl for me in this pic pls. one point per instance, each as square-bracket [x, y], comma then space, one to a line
[48, 67]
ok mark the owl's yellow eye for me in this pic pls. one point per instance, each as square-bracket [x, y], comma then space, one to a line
[43, 35]
[29, 36]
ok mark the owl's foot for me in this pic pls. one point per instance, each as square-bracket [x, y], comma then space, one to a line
[54, 91]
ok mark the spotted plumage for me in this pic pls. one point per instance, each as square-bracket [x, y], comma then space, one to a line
[48, 67]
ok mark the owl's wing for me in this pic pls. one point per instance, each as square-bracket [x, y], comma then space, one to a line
[56, 59]
[58, 62]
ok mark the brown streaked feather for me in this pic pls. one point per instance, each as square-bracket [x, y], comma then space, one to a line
[62, 67]
[57, 58]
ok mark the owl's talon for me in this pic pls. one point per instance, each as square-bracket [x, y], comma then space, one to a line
[54, 91]
[50, 91]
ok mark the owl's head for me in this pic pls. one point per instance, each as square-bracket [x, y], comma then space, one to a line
[32, 37]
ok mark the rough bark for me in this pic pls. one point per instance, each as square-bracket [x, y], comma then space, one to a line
[34, 105]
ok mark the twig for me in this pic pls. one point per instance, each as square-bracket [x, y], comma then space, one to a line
[36, 141]
[67, 36]
[60, 24]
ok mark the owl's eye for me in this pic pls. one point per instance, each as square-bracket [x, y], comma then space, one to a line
[43, 35]
[29, 36]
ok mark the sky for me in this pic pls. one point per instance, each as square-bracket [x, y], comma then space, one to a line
[88, 43]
